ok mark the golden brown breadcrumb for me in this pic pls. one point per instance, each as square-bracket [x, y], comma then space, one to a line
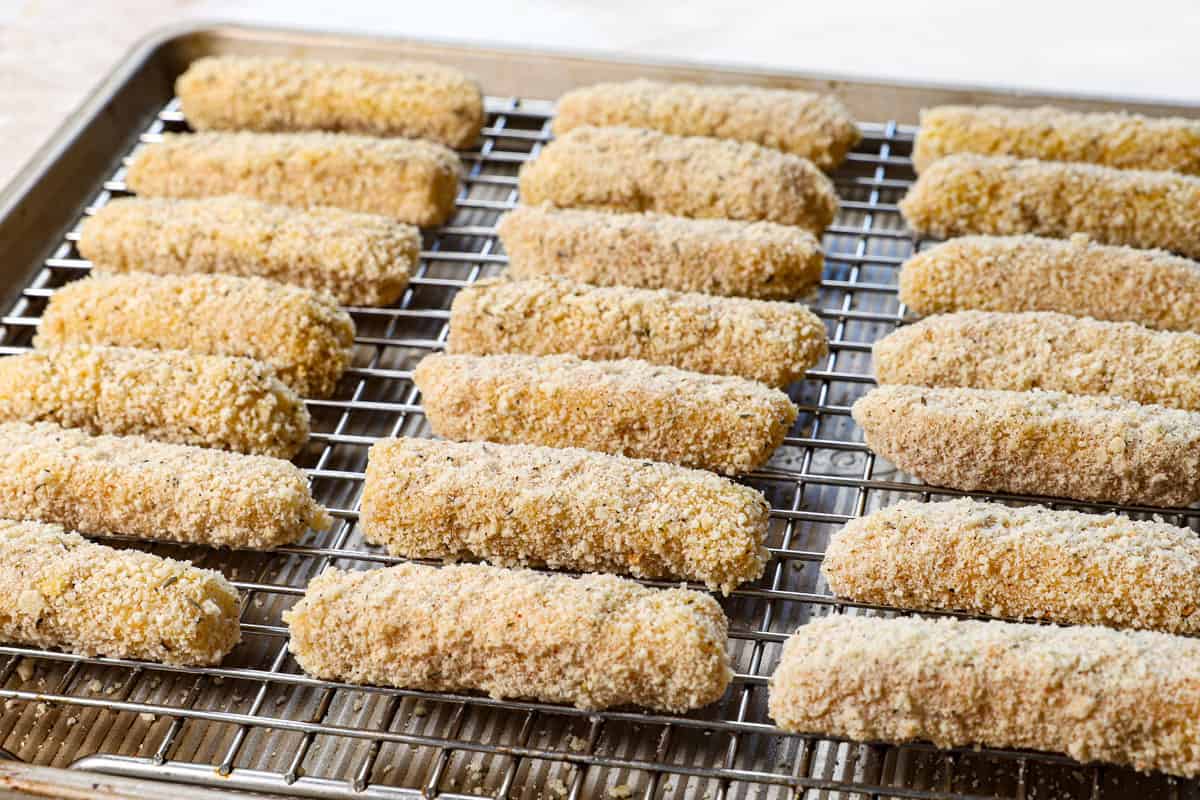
[59, 590]
[301, 333]
[628, 169]
[596, 641]
[517, 505]
[359, 259]
[406, 179]
[773, 343]
[1129, 697]
[627, 408]
[400, 98]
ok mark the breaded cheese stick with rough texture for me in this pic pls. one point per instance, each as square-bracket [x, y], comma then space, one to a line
[168, 395]
[761, 260]
[1122, 140]
[415, 99]
[985, 558]
[628, 169]
[1073, 276]
[517, 505]
[628, 408]
[595, 642]
[128, 485]
[359, 259]
[302, 334]
[59, 590]
[1043, 443]
[964, 194]
[1127, 697]
[406, 179]
[773, 343]
[815, 126]
[1044, 350]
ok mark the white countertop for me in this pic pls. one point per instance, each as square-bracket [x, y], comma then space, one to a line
[53, 51]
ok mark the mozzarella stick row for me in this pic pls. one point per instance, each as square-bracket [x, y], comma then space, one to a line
[359, 259]
[302, 334]
[964, 194]
[1044, 350]
[1043, 443]
[627, 169]
[1073, 276]
[595, 642]
[168, 395]
[59, 590]
[985, 558]
[517, 505]
[409, 180]
[1127, 697]
[815, 126]
[414, 99]
[773, 343]
[627, 408]
[128, 485]
[652, 251]
[1122, 140]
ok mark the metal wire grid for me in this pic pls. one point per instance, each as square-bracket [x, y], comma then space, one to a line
[257, 722]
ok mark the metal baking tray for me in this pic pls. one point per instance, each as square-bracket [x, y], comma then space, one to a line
[257, 723]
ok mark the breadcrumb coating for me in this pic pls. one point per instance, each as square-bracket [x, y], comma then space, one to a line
[1113, 139]
[761, 260]
[168, 395]
[131, 486]
[406, 179]
[595, 642]
[301, 333]
[517, 505]
[628, 169]
[815, 126]
[1042, 443]
[1073, 276]
[1044, 350]
[59, 590]
[359, 259]
[628, 408]
[773, 343]
[403, 98]
[963, 194]
[1127, 697]
[1032, 562]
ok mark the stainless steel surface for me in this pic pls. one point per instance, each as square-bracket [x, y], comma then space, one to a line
[257, 723]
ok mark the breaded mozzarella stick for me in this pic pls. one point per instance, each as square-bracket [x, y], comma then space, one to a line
[1044, 443]
[1128, 697]
[1075, 276]
[595, 642]
[131, 486]
[654, 251]
[517, 505]
[1044, 350]
[815, 126]
[359, 259]
[627, 408]
[59, 590]
[414, 99]
[409, 180]
[628, 169]
[167, 395]
[773, 343]
[1122, 140]
[302, 334]
[985, 558]
[964, 194]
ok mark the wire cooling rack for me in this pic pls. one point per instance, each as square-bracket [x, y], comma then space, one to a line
[257, 722]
